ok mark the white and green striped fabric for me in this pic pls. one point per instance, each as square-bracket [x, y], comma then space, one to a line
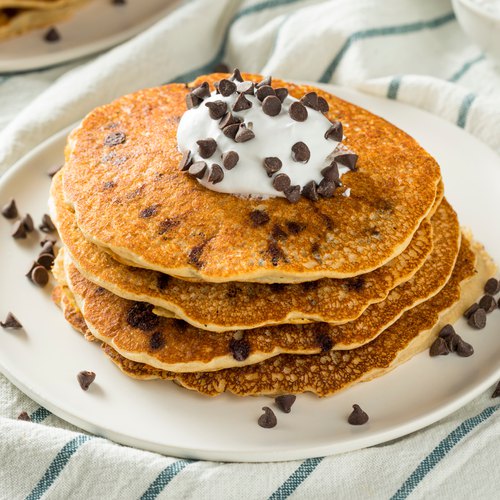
[413, 51]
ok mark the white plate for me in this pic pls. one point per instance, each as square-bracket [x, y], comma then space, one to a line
[162, 417]
[93, 28]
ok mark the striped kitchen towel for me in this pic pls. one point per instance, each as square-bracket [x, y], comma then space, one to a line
[402, 49]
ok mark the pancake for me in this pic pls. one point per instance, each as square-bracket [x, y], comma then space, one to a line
[230, 306]
[195, 233]
[328, 373]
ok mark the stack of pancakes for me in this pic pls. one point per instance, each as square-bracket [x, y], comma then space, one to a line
[255, 296]
[19, 16]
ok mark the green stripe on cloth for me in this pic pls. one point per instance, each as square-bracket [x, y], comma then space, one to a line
[57, 465]
[466, 67]
[463, 112]
[163, 478]
[296, 479]
[387, 31]
[393, 89]
[40, 415]
[441, 450]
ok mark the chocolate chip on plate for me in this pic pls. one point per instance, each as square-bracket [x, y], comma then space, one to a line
[471, 309]
[300, 152]
[48, 247]
[230, 159]
[259, 217]
[358, 416]
[198, 169]
[52, 35]
[310, 191]
[492, 286]
[268, 419]
[24, 416]
[488, 303]
[206, 147]
[310, 100]
[46, 260]
[39, 276]
[439, 348]
[242, 103]
[297, 112]
[244, 134]
[272, 164]
[186, 161]
[271, 105]
[447, 331]
[285, 402]
[463, 348]
[292, 194]
[349, 160]
[477, 319]
[335, 132]
[216, 109]
[28, 224]
[227, 87]
[281, 93]
[264, 91]
[11, 322]
[18, 230]
[216, 174]
[281, 182]
[496, 392]
[85, 378]
[9, 210]
[47, 226]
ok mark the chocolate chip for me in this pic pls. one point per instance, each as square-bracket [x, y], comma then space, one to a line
[496, 392]
[244, 134]
[277, 233]
[162, 281]
[85, 378]
[9, 210]
[198, 169]
[216, 174]
[206, 147]
[300, 152]
[192, 101]
[39, 276]
[46, 260]
[18, 230]
[281, 182]
[331, 173]
[216, 109]
[145, 213]
[11, 322]
[488, 303]
[447, 331]
[264, 91]
[477, 319]
[297, 112]
[281, 93]
[229, 119]
[266, 81]
[439, 348]
[324, 341]
[53, 171]
[463, 348]
[473, 308]
[157, 341]
[358, 416]
[349, 160]
[271, 105]
[230, 159]
[48, 239]
[194, 256]
[227, 87]
[268, 419]
[310, 100]
[295, 227]
[335, 132]
[221, 68]
[47, 226]
[167, 225]
[245, 88]
[231, 130]
[236, 76]
[239, 348]
[275, 253]
[241, 103]
[202, 91]
[115, 138]
[52, 35]
[292, 194]
[327, 188]
[186, 161]
[492, 286]
[33, 265]
[232, 291]
[272, 164]
[27, 222]
[285, 402]
[259, 217]
[310, 191]
[141, 316]
[323, 106]
[24, 416]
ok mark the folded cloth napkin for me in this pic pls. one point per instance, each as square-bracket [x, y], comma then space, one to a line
[402, 49]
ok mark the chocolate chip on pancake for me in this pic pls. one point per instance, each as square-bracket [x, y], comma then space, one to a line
[310, 100]
[272, 164]
[496, 392]
[47, 226]
[186, 161]
[297, 112]
[216, 109]
[310, 191]
[292, 194]
[327, 188]
[46, 260]
[464, 349]
[239, 348]
[242, 103]
[244, 134]
[268, 419]
[230, 159]
[85, 378]
[275, 252]
[231, 130]
[229, 119]
[28, 224]
[335, 132]
[439, 348]
[281, 182]
[300, 152]
[53, 171]
[39, 276]
[194, 256]
[18, 230]
[358, 416]
[295, 228]
[266, 81]
[281, 93]
[470, 310]
[192, 101]
[162, 281]
[150, 211]
[477, 319]
[227, 87]
[285, 402]
[324, 341]
[141, 316]
[277, 233]
[492, 286]
[198, 169]
[245, 88]
[206, 147]
[202, 91]
[236, 76]
[259, 217]
[271, 105]
[264, 91]
[9, 210]
[24, 416]
[349, 160]
[115, 138]
[216, 174]
[331, 173]
[488, 303]
[323, 105]
[157, 341]
[52, 35]
[166, 225]
[11, 322]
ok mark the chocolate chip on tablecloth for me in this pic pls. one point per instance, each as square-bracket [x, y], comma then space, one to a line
[52, 35]
[11, 322]
[272, 164]
[241, 103]
[349, 160]
[39, 276]
[488, 303]
[264, 91]
[216, 109]
[18, 230]
[24, 416]
[268, 419]
[492, 286]
[85, 378]
[439, 347]
[297, 112]
[115, 138]
[186, 161]
[285, 402]
[230, 159]
[271, 105]
[300, 152]
[358, 416]
[9, 210]
[310, 191]
[281, 93]
[47, 226]
[198, 169]
[244, 134]
[477, 319]
[310, 100]
[216, 174]
[281, 182]
[206, 147]
[471, 309]
[292, 194]
[335, 132]
[226, 87]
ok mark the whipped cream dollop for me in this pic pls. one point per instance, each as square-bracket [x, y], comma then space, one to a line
[268, 139]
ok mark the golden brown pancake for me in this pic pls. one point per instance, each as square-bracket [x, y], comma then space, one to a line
[196, 233]
[230, 306]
